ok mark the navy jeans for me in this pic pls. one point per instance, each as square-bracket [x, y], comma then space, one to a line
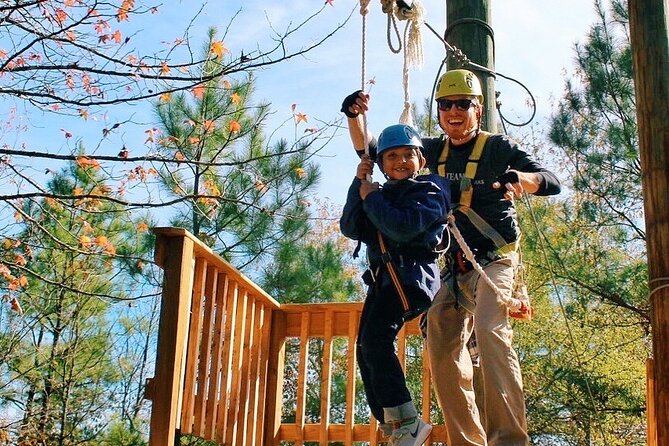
[382, 375]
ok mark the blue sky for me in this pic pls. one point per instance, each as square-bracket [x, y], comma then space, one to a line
[534, 44]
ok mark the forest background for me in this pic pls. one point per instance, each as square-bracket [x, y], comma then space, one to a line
[124, 115]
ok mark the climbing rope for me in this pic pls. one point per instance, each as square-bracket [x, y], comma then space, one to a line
[514, 305]
[364, 9]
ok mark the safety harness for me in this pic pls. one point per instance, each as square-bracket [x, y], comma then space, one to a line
[518, 302]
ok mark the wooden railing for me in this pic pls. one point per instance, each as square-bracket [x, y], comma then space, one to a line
[222, 358]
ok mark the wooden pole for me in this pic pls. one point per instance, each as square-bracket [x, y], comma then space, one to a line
[469, 28]
[650, 52]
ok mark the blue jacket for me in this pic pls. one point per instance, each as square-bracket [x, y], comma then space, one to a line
[411, 215]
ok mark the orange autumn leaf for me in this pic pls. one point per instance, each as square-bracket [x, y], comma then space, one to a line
[84, 161]
[234, 127]
[83, 113]
[208, 125]
[60, 16]
[122, 14]
[16, 306]
[4, 271]
[260, 186]
[165, 97]
[85, 241]
[71, 35]
[20, 260]
[179, 156]
[101, 240]
[194, 140]
[299, 117]
[300, 172]
[117, 36]
[235, 98]
[164, 69]
[226, 84]
[218, 48]
[150, 135]
[18, 217]
[101, 26]
[142, 227]
[198, 91]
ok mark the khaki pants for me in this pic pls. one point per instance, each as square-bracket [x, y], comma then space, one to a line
[449, 326]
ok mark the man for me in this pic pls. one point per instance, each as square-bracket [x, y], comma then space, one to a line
[486, 172]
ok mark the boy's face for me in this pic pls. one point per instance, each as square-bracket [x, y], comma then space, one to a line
[400, 163]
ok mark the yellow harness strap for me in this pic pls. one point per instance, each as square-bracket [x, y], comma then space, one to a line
[467, 191]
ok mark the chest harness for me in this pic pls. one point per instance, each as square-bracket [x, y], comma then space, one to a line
[518, 302]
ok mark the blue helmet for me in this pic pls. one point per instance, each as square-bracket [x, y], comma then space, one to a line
[397, 135]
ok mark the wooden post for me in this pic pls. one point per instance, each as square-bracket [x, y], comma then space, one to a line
[650, 53]
[469, 28]
[175, 255]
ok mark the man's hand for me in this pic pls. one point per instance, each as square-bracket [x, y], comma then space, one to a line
[516, 182]
[355, 104]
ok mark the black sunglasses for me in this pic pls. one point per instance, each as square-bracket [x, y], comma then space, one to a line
[461, 104]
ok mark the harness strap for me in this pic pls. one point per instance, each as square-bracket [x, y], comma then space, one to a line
[387, 260]
[467, 191]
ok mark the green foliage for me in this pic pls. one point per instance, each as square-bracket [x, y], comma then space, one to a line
[59, 356]
[241, 197]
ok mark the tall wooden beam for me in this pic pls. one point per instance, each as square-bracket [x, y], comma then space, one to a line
[469, 28]
[650, 51]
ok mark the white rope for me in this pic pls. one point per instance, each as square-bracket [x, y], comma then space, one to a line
[413, 47]
[364, 9]
[512, 303]
[407, 116]
[413, 52]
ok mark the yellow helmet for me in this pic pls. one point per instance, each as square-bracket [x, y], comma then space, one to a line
[459, 82]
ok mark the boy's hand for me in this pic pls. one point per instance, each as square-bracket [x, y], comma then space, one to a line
[367, 187]
[355, 104]
[365, 168]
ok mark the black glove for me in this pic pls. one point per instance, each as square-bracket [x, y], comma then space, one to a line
[348, 101]
[509, 176]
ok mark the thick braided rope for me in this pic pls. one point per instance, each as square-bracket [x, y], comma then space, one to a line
[512, 303]
[414, 44]
[407, 116]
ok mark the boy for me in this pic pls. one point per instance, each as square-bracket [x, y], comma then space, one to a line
[402, 225]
